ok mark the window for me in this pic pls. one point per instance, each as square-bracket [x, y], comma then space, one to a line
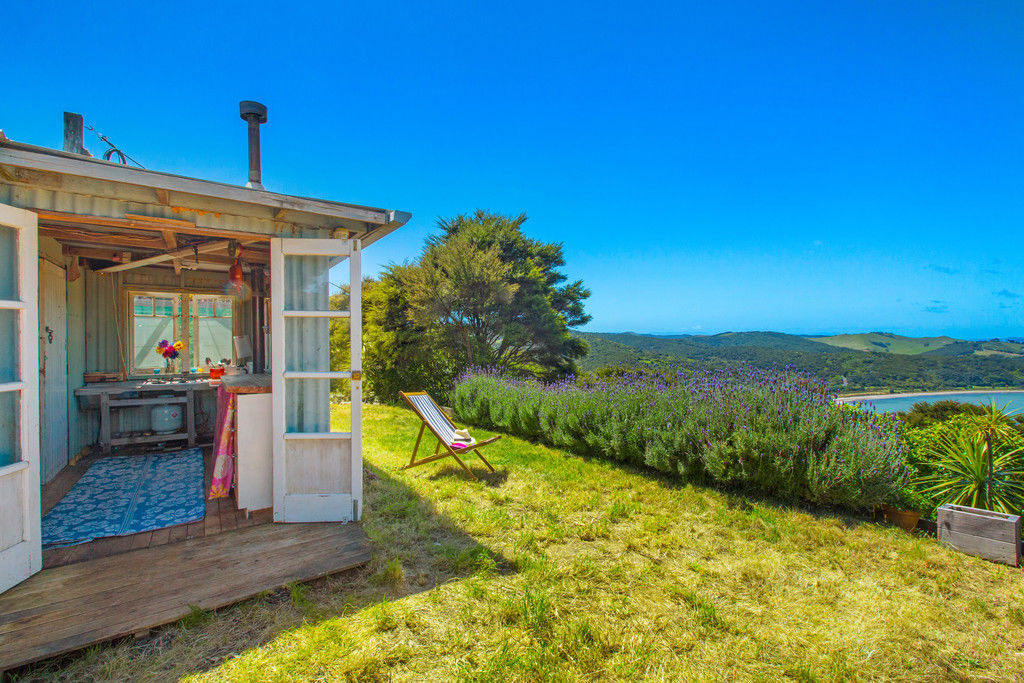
[153, 317]
[205, 322]
[212, 331]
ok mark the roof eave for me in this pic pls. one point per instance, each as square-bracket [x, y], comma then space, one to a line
[378, 222]
[396, 219]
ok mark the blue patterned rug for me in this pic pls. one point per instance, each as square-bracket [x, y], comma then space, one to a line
[128, 494]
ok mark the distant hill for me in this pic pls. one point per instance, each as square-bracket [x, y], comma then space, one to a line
[980, 348]
[874, 342]
[849, 362]
[768, 340]
[765, 340]
[885, 342]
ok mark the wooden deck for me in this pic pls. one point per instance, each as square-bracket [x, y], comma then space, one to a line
[76, 605]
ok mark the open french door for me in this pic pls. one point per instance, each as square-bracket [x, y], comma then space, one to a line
[20, 549]
[317, 471]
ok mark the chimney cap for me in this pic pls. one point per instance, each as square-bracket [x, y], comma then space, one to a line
[248, 109]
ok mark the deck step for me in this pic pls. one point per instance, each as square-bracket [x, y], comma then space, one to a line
[66, 608]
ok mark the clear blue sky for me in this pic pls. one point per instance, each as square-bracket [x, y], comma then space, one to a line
[711, 166]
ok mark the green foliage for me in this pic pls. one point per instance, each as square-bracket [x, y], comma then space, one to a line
[921, 445]
[994, 424]
[992, 427]
[481, 294]
[922, 442]
[298, 594]
[950, 459]
[399, 354]
[910, 497]
[391, 574]
[924, 414]
[777, 433]
[979, 348]
[497, 296]
[959, 464]
[196, 617]
[339, 335]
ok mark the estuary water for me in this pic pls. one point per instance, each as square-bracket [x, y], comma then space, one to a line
[902, 402]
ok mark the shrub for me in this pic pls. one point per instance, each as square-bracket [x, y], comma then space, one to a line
[925, 414]
[958, 463]
[777, 432]
[948, 462]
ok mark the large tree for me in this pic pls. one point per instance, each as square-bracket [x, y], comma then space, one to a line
[481, 294]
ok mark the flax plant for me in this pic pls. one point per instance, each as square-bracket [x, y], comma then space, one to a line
[994, 423]
[980, 466]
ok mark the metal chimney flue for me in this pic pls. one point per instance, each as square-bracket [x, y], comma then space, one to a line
[254, 114]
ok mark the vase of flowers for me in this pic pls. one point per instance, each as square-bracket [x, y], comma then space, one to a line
[169, 351]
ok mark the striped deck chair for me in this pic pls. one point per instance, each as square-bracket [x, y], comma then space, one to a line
[439, 424]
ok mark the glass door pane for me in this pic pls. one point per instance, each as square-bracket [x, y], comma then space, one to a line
[8, 263]
[10, 440]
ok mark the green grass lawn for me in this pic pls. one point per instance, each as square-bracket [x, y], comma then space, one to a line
[565, 568]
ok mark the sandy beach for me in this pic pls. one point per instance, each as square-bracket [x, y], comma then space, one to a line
[876, 397]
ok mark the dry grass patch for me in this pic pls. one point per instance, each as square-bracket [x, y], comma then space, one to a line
[564, 568]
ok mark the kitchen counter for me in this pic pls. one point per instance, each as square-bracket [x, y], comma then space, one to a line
[254, 437]
[246, 384]
[99, 388]
[105, 396]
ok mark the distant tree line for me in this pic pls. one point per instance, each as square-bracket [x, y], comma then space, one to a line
[843, 370]
[925, 414]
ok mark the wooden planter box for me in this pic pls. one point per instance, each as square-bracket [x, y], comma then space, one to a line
[991, 535]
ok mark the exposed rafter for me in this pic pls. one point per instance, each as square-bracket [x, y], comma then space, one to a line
[135, 222]
[94, 238]
[172, 242]
[177, 253]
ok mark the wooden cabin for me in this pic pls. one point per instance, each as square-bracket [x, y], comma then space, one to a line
[98, 260]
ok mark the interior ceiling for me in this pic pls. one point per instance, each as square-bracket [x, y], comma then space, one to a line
[115, 241]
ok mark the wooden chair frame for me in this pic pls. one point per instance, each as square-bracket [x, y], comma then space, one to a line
[450, 451]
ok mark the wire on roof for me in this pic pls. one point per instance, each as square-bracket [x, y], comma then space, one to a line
[114, 150]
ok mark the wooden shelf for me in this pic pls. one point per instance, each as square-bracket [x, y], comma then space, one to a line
[107, 393]
[123, 402]
[150, 438]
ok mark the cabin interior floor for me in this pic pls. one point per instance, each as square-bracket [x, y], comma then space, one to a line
[222, 514]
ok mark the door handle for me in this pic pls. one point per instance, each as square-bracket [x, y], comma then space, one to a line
[49, 335]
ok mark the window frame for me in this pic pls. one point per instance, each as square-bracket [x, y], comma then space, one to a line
[185, 316]
[194, 316]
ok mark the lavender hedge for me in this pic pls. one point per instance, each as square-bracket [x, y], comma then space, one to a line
[772, 431]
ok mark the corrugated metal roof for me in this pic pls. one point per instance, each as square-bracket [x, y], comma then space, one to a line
[46, 173]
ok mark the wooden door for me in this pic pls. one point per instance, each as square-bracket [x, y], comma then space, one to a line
[20, 549]
[53, 369]
[317, 471]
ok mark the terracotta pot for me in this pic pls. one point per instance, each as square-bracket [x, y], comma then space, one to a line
[904, 519]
